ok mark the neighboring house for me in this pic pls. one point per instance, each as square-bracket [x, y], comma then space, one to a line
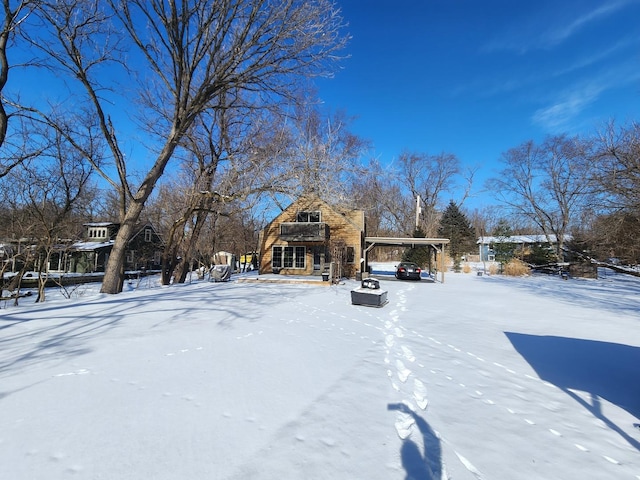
[522, 243]
[144, 249]
[311, 237]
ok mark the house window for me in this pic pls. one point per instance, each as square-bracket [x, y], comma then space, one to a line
[96, 233]
[276, 257]
[130, 256]
[351, 254]
[147, 234]
[288, 257]
[308, 217]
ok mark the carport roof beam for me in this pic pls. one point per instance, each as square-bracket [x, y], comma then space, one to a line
[406, 241]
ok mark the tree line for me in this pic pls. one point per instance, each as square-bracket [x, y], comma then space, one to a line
[200, 117]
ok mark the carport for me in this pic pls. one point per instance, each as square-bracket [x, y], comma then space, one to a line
[436, 243]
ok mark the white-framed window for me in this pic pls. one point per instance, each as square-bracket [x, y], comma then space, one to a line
[131, 255]
[97, 233]
[147, 234]
[289, 257]
[304, 216]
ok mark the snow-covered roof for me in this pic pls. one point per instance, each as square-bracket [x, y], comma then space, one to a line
[99, 224]
[89, 246]
[521, 239]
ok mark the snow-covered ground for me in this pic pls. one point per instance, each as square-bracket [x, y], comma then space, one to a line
[478, 377]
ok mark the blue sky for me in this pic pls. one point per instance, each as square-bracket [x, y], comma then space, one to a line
[476, 78]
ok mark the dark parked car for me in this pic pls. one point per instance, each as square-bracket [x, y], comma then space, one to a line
[408, 271]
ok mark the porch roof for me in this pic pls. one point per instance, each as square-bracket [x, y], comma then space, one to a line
[90, 246]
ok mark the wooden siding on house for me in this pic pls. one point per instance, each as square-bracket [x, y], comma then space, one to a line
[344, 231]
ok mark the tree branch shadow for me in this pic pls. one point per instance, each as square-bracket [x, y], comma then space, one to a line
[603, 370]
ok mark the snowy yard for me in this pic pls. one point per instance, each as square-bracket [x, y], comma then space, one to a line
[478, 377]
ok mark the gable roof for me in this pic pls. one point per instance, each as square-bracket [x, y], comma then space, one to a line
[352, 216]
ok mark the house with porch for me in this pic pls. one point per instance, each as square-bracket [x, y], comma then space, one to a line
[144, 249]
[312, 237]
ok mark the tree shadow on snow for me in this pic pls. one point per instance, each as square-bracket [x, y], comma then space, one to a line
[420, 463]
[603, 370]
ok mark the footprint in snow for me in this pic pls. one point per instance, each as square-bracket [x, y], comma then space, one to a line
[404, 425]
[408, 354]
[420, 394]
[403, 372]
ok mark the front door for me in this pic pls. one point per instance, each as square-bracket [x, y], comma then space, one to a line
[318, 260]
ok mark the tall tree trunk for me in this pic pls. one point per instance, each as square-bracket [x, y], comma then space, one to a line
[114, 270]
[183, 268]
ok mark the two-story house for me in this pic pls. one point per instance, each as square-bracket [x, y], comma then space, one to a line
[144, 249]
[311, 237]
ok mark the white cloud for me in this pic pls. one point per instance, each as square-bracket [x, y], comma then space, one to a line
[560, 114]
[562, 32]
[565, 110]
[533, 35]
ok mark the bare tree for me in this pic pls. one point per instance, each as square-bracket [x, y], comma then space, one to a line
[181, 58]
[49, 191]
[616, 163]
[321, 153]
[208, 146]
[15, 145]
[547, 184]
[610, 229]
[428, 176]
[240, 154]
[377, 192]
[14, 13]
[227, 162]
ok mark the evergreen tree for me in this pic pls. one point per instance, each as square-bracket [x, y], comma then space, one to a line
[504, 249]
[420, 254]
[455, 226]
[540, 254]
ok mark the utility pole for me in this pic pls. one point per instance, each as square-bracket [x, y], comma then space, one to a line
[418, 211]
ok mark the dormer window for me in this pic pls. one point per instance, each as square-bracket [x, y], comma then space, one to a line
[98, 233]
[308, 217]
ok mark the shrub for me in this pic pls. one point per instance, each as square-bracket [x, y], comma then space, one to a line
[516, 268]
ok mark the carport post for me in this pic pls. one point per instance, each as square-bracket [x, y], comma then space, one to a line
[442, 262]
